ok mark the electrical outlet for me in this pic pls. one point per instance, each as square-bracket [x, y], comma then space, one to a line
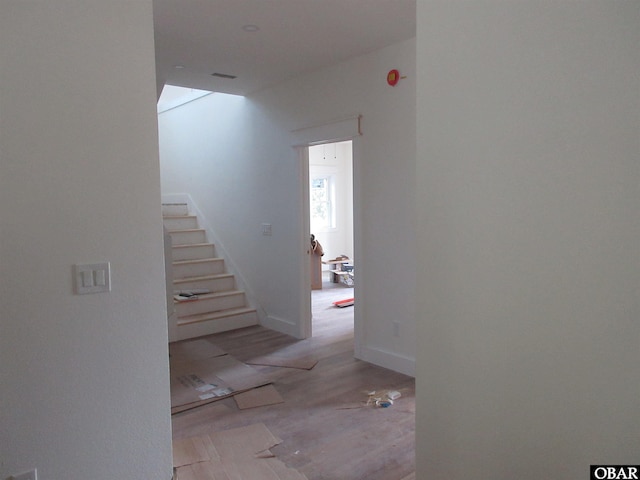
[396, 329]
[30, 475]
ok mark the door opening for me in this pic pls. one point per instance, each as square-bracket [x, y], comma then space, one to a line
[331, 227]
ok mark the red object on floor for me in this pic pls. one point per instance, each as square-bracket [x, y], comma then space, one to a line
[344, 303]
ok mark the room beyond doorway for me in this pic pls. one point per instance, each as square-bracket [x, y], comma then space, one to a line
[331, 197]
[331, 222]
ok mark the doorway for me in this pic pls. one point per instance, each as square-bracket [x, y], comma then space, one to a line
[331, 223]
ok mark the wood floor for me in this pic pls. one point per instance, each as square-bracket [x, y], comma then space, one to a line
[326, 432]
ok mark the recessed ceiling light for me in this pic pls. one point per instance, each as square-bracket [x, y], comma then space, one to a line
[178, 67]
[250, 28]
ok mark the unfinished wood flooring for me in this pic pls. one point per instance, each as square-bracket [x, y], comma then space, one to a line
[326, 432]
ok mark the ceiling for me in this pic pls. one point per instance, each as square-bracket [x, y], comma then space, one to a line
[196, 38]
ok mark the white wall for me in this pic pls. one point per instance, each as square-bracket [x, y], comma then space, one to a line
[84, 378]
[236, 158]
[529, 226]
[335, 159]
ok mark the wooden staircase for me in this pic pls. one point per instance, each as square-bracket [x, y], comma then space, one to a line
[195, 268]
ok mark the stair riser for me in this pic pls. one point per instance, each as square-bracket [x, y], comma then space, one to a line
[215, 326]
[214, 284]
[198, 269]
[181, 223]
[193, 253]
[175, 209]
[216, 304]
[188, 238]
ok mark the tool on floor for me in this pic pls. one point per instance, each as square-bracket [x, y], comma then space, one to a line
[344, 303]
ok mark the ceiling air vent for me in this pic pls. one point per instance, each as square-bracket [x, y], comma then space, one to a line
[223, 75]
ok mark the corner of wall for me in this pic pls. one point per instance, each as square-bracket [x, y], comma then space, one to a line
[281, 325]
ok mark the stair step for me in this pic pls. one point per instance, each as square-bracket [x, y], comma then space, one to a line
[175, 209]
[192, 252]
[197, 268]
[188, 237]
[180, 222]
[215, 283]
[200, 325]
[204, 317]
[210, 302]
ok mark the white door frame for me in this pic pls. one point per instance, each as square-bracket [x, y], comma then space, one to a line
[331, 132]
[306, 321]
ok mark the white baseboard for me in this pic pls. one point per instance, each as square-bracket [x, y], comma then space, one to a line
[386, 359]
[281, 325]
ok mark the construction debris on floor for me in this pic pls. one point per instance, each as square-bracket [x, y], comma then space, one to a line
[239, 453]
[347, 302]
[258, 397]
[302, 363]
[193, 350]
[376, 398]
[186, 295]
[202, 373]
[383, 399]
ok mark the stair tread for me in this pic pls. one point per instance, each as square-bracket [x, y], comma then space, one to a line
[214, 276]
[187, 245]
[198, 260]
[206, 296]
[175, 245]
[203, 317]
[184, 230]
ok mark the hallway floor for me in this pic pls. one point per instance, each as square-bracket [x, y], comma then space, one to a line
[327, 432]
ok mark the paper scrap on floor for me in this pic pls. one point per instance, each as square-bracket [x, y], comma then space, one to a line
[189, 350]
[203, 381]
[302, 363]
[237, 453]
[258, 397]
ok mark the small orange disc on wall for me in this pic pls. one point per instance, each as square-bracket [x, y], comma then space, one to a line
[393, 77]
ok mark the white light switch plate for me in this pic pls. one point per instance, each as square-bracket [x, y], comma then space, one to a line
[92, 278]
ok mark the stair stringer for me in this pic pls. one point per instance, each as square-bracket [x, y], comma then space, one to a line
[232, 267]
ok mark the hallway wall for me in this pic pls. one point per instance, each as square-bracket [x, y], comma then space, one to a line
[235, 156]
[529, 187]
[84, 378]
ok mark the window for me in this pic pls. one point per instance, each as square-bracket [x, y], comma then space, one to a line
[322, 200]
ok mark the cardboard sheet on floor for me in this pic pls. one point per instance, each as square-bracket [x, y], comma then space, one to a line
[203, 381]
[193, 450]
[190, 350]
[258, 397]
[240, 453]
[303, 363]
